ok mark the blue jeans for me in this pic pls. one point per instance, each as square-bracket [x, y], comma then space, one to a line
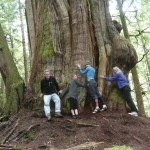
[47, 99]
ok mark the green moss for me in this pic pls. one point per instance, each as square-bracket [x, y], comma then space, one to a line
[124, 147]
[116, 96]
[46, 45]
[47, 50]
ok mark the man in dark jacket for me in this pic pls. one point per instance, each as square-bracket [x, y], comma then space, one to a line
[49, 90]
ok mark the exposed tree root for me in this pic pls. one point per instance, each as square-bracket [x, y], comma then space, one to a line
[3, 125]
[10, 133]
[82, 124]
[23, 132]
[86, 145]
[4, 146]
[4, 118]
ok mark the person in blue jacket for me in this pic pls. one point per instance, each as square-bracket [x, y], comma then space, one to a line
[89, 71]
[123, 85]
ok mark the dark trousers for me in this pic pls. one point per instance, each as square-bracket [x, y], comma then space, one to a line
[126, 92]
[73, 103]
[93, 90]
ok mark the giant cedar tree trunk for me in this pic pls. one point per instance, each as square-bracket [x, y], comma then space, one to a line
[13, 82]
[65, 32]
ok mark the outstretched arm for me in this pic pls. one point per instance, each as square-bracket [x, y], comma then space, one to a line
[114, 78]
[82, 71]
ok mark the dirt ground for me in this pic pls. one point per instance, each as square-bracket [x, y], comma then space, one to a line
[109, 127]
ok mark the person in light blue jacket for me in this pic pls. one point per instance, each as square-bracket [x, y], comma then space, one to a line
[123, 85]
[89, 71]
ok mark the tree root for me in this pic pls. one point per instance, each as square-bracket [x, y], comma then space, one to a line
[3, 125]
[10, 133]
[86, 145]
[6, 123]
[23, 132]
[82, 124]
[4, 118]
[12, 147]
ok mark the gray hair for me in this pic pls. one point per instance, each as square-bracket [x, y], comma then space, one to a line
[116, 69]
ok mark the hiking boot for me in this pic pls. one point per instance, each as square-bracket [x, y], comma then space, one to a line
[97, 109]
[58, 115]
[78, 117]
[48, 116]
[74, 117]
[104, 108]
[133, 113]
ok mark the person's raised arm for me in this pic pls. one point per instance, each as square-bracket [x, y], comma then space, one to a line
[82, 71]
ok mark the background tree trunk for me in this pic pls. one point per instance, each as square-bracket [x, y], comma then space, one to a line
[135, 77]
[65, 32]
[23, 43]
[2, 94]
[13, 82]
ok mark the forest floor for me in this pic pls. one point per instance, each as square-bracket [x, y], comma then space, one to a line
[29, 129]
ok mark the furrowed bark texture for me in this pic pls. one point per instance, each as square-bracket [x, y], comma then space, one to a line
[63, 33]
[13, 82]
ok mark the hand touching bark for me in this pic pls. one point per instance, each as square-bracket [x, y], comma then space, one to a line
[78, 65]
[102, 77]
[41, 95]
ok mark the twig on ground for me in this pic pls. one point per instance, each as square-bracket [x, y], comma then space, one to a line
[87, 145]
[81, 124]
[10, 133]
[23, 132]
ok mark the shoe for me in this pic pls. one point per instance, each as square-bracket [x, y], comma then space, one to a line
[133, 113]
[104, 108]
[74, 117]
[78, 117]
[58, 115]
[96, 110]
[48, 116]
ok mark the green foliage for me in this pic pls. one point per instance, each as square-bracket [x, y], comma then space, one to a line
[9, 18]
[119, 148]
[138, 17]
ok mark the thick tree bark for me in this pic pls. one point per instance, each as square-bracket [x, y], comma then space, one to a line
[2, 94]
[13, 82]
[100, 30]
[75, 31]
[135, 77]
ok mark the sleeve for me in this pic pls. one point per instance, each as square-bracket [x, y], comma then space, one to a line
[56, 84]
[114, 78]
[83, 71]
[41, 86]
[64, 92]
[78, 83]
